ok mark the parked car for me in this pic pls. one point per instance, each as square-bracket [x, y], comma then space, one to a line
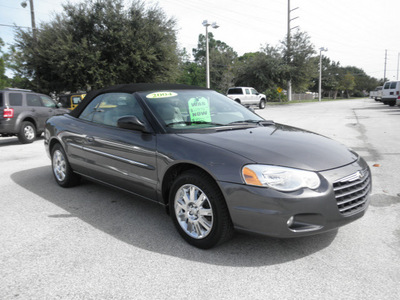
[390, 92]
[214, 164]
[376, 94]
[70, 101]
[247, 96]
[23, 113]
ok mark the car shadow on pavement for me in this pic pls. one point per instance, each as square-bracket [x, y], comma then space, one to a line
[145, 224]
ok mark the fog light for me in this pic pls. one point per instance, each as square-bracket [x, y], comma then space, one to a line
[290, 221]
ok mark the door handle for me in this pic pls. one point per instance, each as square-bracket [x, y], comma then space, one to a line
[89, 139]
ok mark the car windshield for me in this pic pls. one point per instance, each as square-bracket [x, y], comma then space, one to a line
[192, 109]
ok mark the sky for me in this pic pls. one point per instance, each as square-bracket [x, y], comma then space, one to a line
[355, 32]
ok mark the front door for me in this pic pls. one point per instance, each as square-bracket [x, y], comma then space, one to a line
[120, 157]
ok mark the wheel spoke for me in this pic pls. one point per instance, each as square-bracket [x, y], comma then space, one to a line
[205, 224]
[199, 202]
[205, 212]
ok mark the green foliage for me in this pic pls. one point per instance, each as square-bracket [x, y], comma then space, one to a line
[98, 43]
[222, 59]
[300, 65]
[4, 80]
[261, 70]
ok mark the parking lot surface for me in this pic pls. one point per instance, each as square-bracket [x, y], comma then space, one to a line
[92, 242]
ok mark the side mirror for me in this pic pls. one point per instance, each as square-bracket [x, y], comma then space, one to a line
[132, 123]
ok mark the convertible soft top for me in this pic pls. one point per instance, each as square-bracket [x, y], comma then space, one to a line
[131, 88]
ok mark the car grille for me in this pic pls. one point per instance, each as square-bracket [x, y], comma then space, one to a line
[351, 192]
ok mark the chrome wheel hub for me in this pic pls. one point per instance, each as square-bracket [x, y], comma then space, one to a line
[59, 165]
[193, 211]
[29, 132]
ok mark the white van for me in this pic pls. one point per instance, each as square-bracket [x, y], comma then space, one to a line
[390, 92]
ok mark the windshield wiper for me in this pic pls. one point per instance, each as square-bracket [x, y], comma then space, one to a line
[258, 122]
[193, 122]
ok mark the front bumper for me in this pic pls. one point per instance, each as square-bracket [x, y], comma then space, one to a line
[305, 212]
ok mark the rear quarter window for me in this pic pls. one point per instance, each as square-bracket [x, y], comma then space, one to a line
[235, 91]
[393, 85]
[15, 99]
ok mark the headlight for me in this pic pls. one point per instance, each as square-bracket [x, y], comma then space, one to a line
[280, 178]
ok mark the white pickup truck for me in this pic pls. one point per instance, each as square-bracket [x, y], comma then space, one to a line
[247, 96]
[376, 94]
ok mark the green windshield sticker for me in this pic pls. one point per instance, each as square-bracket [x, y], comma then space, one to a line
[199, 110]
[161, 95]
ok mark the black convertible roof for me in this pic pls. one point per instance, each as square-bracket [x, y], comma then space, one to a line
[131, 88]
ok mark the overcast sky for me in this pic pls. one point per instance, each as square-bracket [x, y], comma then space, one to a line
[356, 32]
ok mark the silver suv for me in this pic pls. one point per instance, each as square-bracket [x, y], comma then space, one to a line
[247, 96]
[23, 113]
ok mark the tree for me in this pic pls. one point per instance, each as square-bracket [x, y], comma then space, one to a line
[301, 68]
[262, 70]
[98, 43]
[222, 58]
[4, 80]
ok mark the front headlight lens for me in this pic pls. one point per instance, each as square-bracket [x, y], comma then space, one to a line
[280, 178]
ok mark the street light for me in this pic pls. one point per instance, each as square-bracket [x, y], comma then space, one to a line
[24, 4]
[215, 26]
[320, 71]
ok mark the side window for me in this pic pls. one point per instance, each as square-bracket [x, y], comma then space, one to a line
[247, 92]
[386, 86]
[48, 102]
[15, 99]
[253, 91]
[76, 99]
[33, 100]
[90, 110]
[393, 85]
[108, 108]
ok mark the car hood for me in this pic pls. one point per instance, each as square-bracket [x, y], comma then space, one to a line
[280, 145]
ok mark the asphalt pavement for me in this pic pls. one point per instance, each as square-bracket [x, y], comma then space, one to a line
[92, 242]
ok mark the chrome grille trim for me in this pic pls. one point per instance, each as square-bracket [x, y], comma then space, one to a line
[351, 192]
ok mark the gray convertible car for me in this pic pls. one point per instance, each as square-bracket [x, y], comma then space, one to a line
[215, 165]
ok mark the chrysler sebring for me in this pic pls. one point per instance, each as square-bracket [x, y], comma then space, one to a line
[215, 165]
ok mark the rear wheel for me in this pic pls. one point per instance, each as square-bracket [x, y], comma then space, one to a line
[199, 211]
[27, 133]
[262, 104]
[62, 170]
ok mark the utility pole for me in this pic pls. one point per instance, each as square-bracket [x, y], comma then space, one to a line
[24, 4]
[289, 85]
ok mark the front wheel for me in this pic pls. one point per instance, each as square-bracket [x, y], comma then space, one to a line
[199, 211]
[62, 171]
[27, 133]
[262, 104]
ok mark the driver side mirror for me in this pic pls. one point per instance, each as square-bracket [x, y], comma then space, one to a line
[132, 123]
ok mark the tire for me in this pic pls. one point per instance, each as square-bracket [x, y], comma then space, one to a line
[61, 168]
[199, 211]
[262, 104]
[392, 103]
[27, 133]
[238, 101]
